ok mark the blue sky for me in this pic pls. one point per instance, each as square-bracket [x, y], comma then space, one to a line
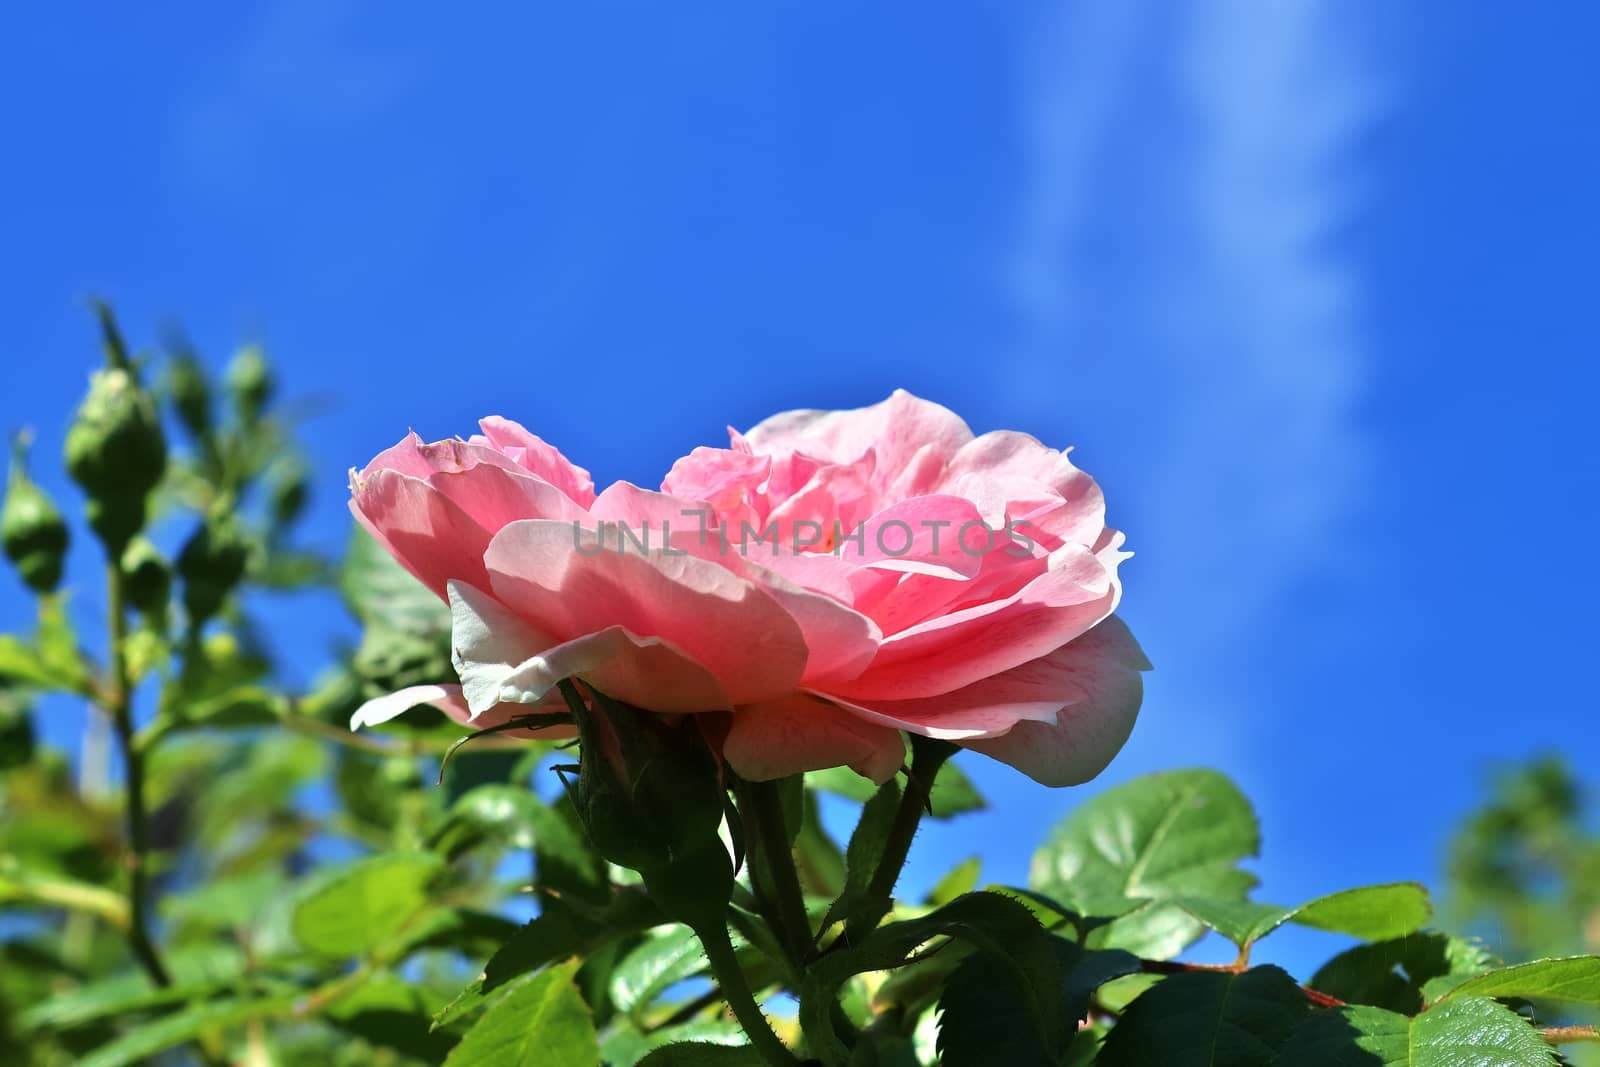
[1309, 285]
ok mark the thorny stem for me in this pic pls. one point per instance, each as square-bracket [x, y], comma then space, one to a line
[927, 756]
[736, 991]
[1566, 1035]
[121, 710]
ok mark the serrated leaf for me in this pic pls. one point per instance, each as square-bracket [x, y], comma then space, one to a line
[1204, 1018]
[382, 592]
[703, 1054]
[549, 936]
[542, 1020]
[1178, 833]
[624, 1043]
[1575, 979]
[991, 922]
[1373, 913]
[667, 956]
[1459, 1032]
[983, 1017]
[1398, 973]
[355, 910]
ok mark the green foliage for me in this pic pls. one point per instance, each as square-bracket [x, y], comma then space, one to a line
[542, 1020]
[257, 884]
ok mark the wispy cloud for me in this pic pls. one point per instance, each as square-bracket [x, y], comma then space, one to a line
[1180, 272]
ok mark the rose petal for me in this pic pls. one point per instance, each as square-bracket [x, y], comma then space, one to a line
[1105, 664]
[778, 738]
[449, 699]
[567, 584]
[541, 458]
[428, 533]
[502, 659]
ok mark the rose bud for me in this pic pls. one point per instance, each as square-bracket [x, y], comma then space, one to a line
[31, 527]
[146, 577]
[211, 564]
[116, 451]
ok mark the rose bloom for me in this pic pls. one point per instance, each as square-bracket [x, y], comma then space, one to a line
[828, 580]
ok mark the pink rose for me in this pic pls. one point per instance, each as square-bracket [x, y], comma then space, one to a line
[829, 579]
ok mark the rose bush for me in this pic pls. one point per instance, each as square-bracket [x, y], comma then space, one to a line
[828, 580]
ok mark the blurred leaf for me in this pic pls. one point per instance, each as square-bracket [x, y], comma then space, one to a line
[383, 593]
[137, 1046]
[227, 903]
[501, 814]
[198, 972]
[1198, 1019]
[1472, 1030]
[958, 881]
[1394, 974]
[387, 1011]
[542, 1020]
[1575, 979]
[1178, 833]
[668, 955]
[953, 793]
[355, 910]
[51, 660]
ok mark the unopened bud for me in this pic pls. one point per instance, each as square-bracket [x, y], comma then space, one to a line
[250, 382]
[31, 527]
[146, 577]
[211, 564]
[116, 451]
[650, 795]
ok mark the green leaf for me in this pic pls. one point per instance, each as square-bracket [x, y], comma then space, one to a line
[137, 1046]
[51, 660]
[355, 910]
[958, 881]
[953, 793]
[626, 1043]
[865, 851]
[1202, 1018]
[1174, 834]
[817, 858]
[983, 1017]
[502, 814]
[667, 956]
[387, 1011]
[547, 937]
[991, 922]
[542, 1020]
[1457, 1033]
[1396, 974]
[381, 591]
[703, 1054]
[1085, 970]
[1373, 913]
[1574, 978]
